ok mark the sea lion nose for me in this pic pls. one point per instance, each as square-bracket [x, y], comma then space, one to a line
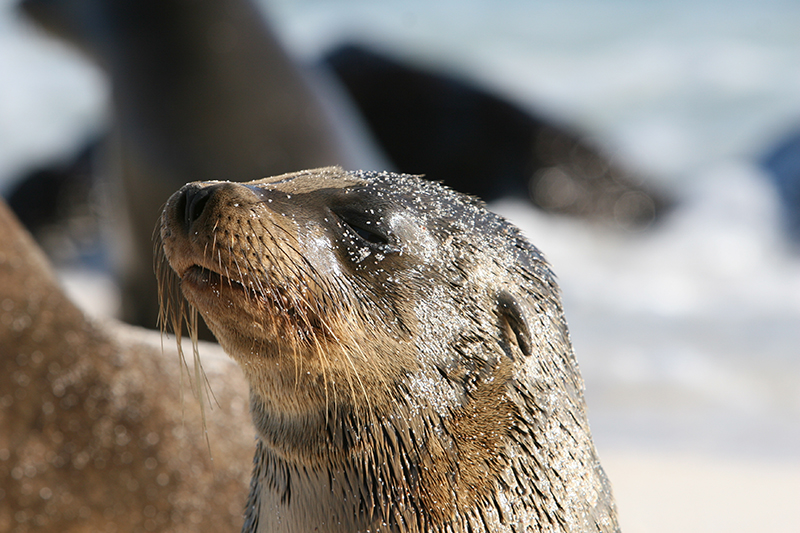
[192, 202]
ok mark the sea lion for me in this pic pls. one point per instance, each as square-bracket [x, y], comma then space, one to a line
[480, 143]
[94, 433]
[200, 91]
[782, 164]
[56, 204]
[409, 364]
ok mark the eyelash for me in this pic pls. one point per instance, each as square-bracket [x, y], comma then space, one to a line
[371, 238]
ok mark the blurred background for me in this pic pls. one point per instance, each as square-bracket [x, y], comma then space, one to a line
[687, 329]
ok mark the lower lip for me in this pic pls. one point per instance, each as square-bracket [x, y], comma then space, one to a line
[197, 275]
[203, 279]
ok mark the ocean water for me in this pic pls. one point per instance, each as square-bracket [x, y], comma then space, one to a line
[688, 333]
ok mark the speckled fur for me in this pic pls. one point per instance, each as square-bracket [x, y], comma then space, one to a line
[409, 363]
[94, 435]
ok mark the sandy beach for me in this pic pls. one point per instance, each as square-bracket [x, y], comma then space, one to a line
[666, 492]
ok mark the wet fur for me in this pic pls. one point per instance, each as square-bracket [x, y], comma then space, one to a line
[421, 382]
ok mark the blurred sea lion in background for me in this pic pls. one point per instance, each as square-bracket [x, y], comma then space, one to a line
[57, 205]
[201, 90]
[782, 162]
[94, 435]
[478, 143]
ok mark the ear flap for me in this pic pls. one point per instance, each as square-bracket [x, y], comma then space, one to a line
[510, 312]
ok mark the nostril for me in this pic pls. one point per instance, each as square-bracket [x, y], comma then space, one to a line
[192, 203]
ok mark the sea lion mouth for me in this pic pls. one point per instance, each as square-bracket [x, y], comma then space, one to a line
[207, 286]
[200, 278]
[205, 277]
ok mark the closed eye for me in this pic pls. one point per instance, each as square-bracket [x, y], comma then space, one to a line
[367, 231]
[368, 235]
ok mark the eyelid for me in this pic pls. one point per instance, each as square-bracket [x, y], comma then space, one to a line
[369, 233]
[368, 236]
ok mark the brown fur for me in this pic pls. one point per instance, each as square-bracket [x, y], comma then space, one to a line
[409, 364]
[93, 432]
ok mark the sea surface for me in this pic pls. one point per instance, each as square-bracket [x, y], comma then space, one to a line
[688, 333]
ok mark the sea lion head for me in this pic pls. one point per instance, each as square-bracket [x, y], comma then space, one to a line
[396, 331]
